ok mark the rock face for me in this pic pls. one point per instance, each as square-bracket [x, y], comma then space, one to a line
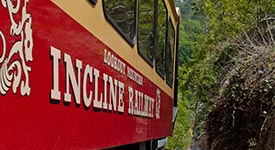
[243, 116]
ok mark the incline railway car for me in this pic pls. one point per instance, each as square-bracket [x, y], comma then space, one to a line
[87, 74]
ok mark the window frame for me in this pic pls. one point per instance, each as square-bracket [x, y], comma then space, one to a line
[118, 29]
[162, 75]
[170, 23]
[154, 36]
[93, 2]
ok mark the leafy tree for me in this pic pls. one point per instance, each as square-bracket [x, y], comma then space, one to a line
[207, 54]
[229, 27]
[196, 78]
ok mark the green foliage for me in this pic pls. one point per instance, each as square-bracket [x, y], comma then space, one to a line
[231, 18]
[215, 55]
[190, 36]
[207, 55]
[196, 77]
[183, 128]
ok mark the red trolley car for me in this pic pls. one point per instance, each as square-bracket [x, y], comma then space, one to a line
[87, 74]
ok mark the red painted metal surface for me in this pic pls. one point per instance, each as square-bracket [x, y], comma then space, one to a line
[32, 117]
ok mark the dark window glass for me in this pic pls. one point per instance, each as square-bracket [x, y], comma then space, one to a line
[146, 29]
[121, 14]
[161, 32]
[170, 54]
